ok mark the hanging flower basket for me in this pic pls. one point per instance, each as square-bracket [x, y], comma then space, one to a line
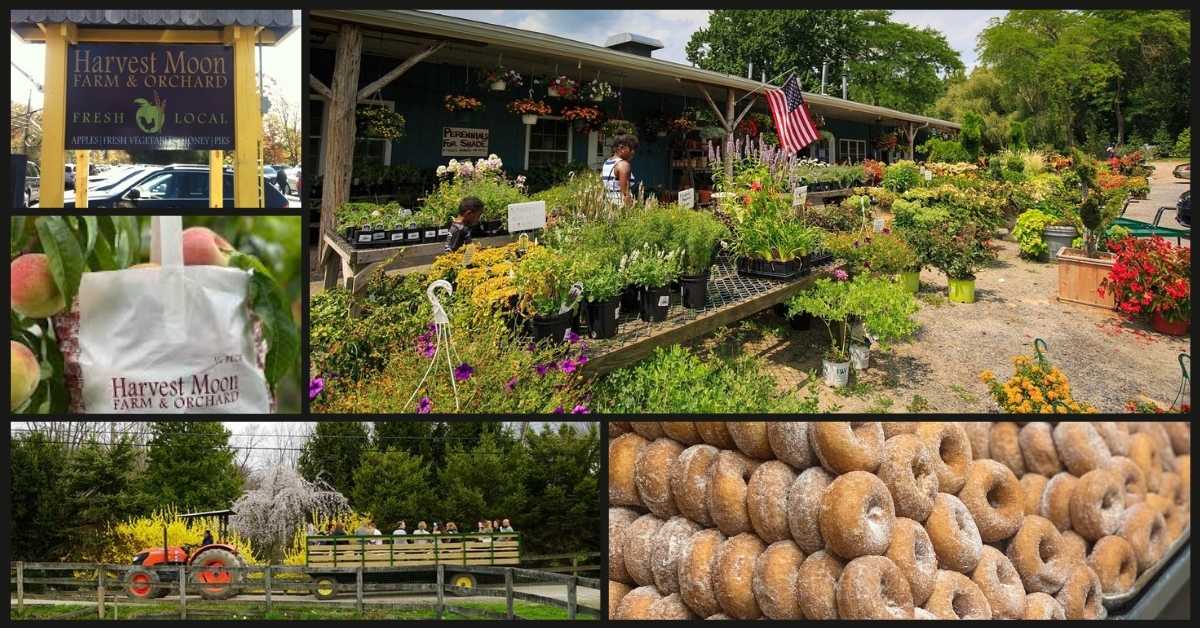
[886, 142]
[376, 122]
[654, 125]
[682, 124]
[587, 118]
[563, 87]
[529, 109]
[599, 91]
[457, 102]
[613, 128]
[501, 78]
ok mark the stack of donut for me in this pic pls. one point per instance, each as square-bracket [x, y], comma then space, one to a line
[888, 520]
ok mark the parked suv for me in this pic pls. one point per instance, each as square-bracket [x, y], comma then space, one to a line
[178, 186]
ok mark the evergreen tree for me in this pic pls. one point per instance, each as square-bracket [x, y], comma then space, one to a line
[563, 505]
[190, 464]
[393, 486]
[333, 452]
[483, 482]
[102, 483]
[40, 528]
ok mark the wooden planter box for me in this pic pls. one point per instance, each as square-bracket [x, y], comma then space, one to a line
[1079, 278]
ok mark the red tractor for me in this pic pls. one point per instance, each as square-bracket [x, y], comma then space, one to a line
[215, 567]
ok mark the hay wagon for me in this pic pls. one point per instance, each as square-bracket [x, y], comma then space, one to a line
[405, 552]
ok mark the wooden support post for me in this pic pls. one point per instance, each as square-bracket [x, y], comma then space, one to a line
[508, 593]
[441, 590]
[730, 105]
[216, 178]
[54, 115]
[571, 596]
[20, 586]
[358, 588]
[247, 120]
[267, 587]
[183, 591]
[81, 176]
[99, 585]
[338, 143]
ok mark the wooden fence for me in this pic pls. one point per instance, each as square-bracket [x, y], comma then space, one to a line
[105, 584]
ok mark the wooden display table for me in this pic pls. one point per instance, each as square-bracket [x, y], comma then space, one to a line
[350, 267]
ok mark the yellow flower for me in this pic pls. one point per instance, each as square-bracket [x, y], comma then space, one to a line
[986, 376]
[1024, 408]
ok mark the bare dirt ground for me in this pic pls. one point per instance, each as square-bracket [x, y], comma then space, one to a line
[1107, 359]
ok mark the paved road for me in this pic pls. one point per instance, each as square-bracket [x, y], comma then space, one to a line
[1164, 192]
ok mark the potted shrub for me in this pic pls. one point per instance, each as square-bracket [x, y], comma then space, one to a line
[652, 270]
[545, 294]
[1082, 272]
[562, 87]
[1152, 278]
[697, 234]
[959, 252]
[599, 273]
[1030, 234]
[529, 109]
[501, 78]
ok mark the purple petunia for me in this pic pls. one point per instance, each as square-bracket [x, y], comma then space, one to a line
[424, 405]
[571, 336]
[315, 387]
[841, 275]
[569, 366]
[581, 409]
[559, 410]
[463, 372]
[425, 345]
[510, 384]
[542, 369]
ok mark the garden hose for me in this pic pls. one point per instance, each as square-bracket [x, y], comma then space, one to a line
[1183, 383]
[1040, 352]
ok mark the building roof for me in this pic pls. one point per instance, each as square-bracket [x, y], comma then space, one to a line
[404, 32]
[278, 22]
[634, 38]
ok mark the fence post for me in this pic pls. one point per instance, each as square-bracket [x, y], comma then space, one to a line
[358, 589]
[267, 587]
[441, 580]
[575, 565]
[508, 593]
[100, 591]
[20, 586]
[183, 591]
[571, 597]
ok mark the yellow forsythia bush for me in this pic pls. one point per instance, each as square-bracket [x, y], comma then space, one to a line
[135, 534]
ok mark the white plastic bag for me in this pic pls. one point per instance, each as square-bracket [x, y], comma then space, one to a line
[168, 340]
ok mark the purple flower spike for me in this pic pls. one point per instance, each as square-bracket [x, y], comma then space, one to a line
[315, 387]
[463, 372]
[424, 405]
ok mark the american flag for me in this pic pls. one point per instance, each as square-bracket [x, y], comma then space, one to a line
[792, 119]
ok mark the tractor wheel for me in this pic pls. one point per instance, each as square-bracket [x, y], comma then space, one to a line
[462, 581]
[141, 584]
[324, 587]
[217, 572]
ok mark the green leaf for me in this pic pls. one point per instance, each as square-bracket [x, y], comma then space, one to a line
[103, 255]
[128, 241]
[16, 235]
[93, 230]
[62, 249]
[269, 303]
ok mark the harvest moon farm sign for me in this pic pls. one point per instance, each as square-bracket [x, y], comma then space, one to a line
[150, 96]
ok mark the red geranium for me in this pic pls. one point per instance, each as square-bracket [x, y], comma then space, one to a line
[1150, 276]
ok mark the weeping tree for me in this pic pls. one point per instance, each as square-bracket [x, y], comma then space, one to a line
[269, 514]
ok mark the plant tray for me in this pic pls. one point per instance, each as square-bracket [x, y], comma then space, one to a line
[769, 269]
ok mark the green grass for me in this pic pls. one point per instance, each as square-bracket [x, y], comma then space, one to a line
[281, 611]
[919, 404]
[964, 394]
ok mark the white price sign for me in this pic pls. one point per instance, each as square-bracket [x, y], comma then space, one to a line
[526, 216]
[800, 196]
[464, 142]
[687, 198]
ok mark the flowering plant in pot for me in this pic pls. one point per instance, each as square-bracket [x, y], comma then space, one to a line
[652, 269]
[376, 122]
[587, 118]
[882, 254]
[459, 102]
[959, 253]
[501, 78]
[615, 127]
[529, 109]
[545, 293]
[682, 123]
[563, 87]
[697, 235]
[1151, 277]
[599, 91]
[598, 271]
[1036, 387]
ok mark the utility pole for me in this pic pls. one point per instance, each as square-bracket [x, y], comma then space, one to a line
[845, 84]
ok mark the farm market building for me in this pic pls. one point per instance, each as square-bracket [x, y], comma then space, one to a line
[409, 61]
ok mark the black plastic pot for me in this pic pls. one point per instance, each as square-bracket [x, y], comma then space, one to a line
[694, 291]
[655, 304]
[429, 234]
[412, 235]
[631, 298]
[771, 269]
[553, 328]
[491, 227]
[602, 318]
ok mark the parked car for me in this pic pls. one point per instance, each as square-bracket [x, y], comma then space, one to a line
[1184, 214]
[1183, 171]
[33, 182]
[178, 186]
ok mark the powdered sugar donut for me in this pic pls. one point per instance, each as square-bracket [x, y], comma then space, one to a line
[1183, 466]
[955, 596]
[774, 582]
[980, 435]
[1080, 447]
[912, 551]
[1113, 561]
[1000, 583]
[1037, 448]
[727, 492]
[1115, 435]
[1146, 531]
[715, 433]
[804, 508]
[1174, 517]
[857, 515]
[639, 547]
[689, 482]
[993, 496]
[650, 430]
[733, 576]
[616, 591]
[1032, 487]
[908, 471]
[696, 567]
[844, 446]
[1042, 606]
[1097, 504]
[667, 546]
[766, 500]
[636, 603]
[619, 520]
[1170, 486]
[1074, 547]
[872, 587]
[682, 431]
[790, 441]
[652, 475]
[1037, 554]
[670, 607]
[954, 535]
[751, 438]
[622, 458]
[1180, 434]
[1144, 452]
[951, 451]
[817, 586]
[1056, 500]
[1005, 447]
[893, 428]
[1162, 441]
[1080, 596]
[1132, 478]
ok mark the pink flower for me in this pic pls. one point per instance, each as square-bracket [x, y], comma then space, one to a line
[511, 383]
[840, 275]
[424, 405]
[581, 409]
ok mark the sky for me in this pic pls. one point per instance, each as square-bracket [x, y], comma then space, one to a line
[281, 61]
[674, 27]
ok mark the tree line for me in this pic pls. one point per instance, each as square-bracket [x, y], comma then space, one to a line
[69, 486]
